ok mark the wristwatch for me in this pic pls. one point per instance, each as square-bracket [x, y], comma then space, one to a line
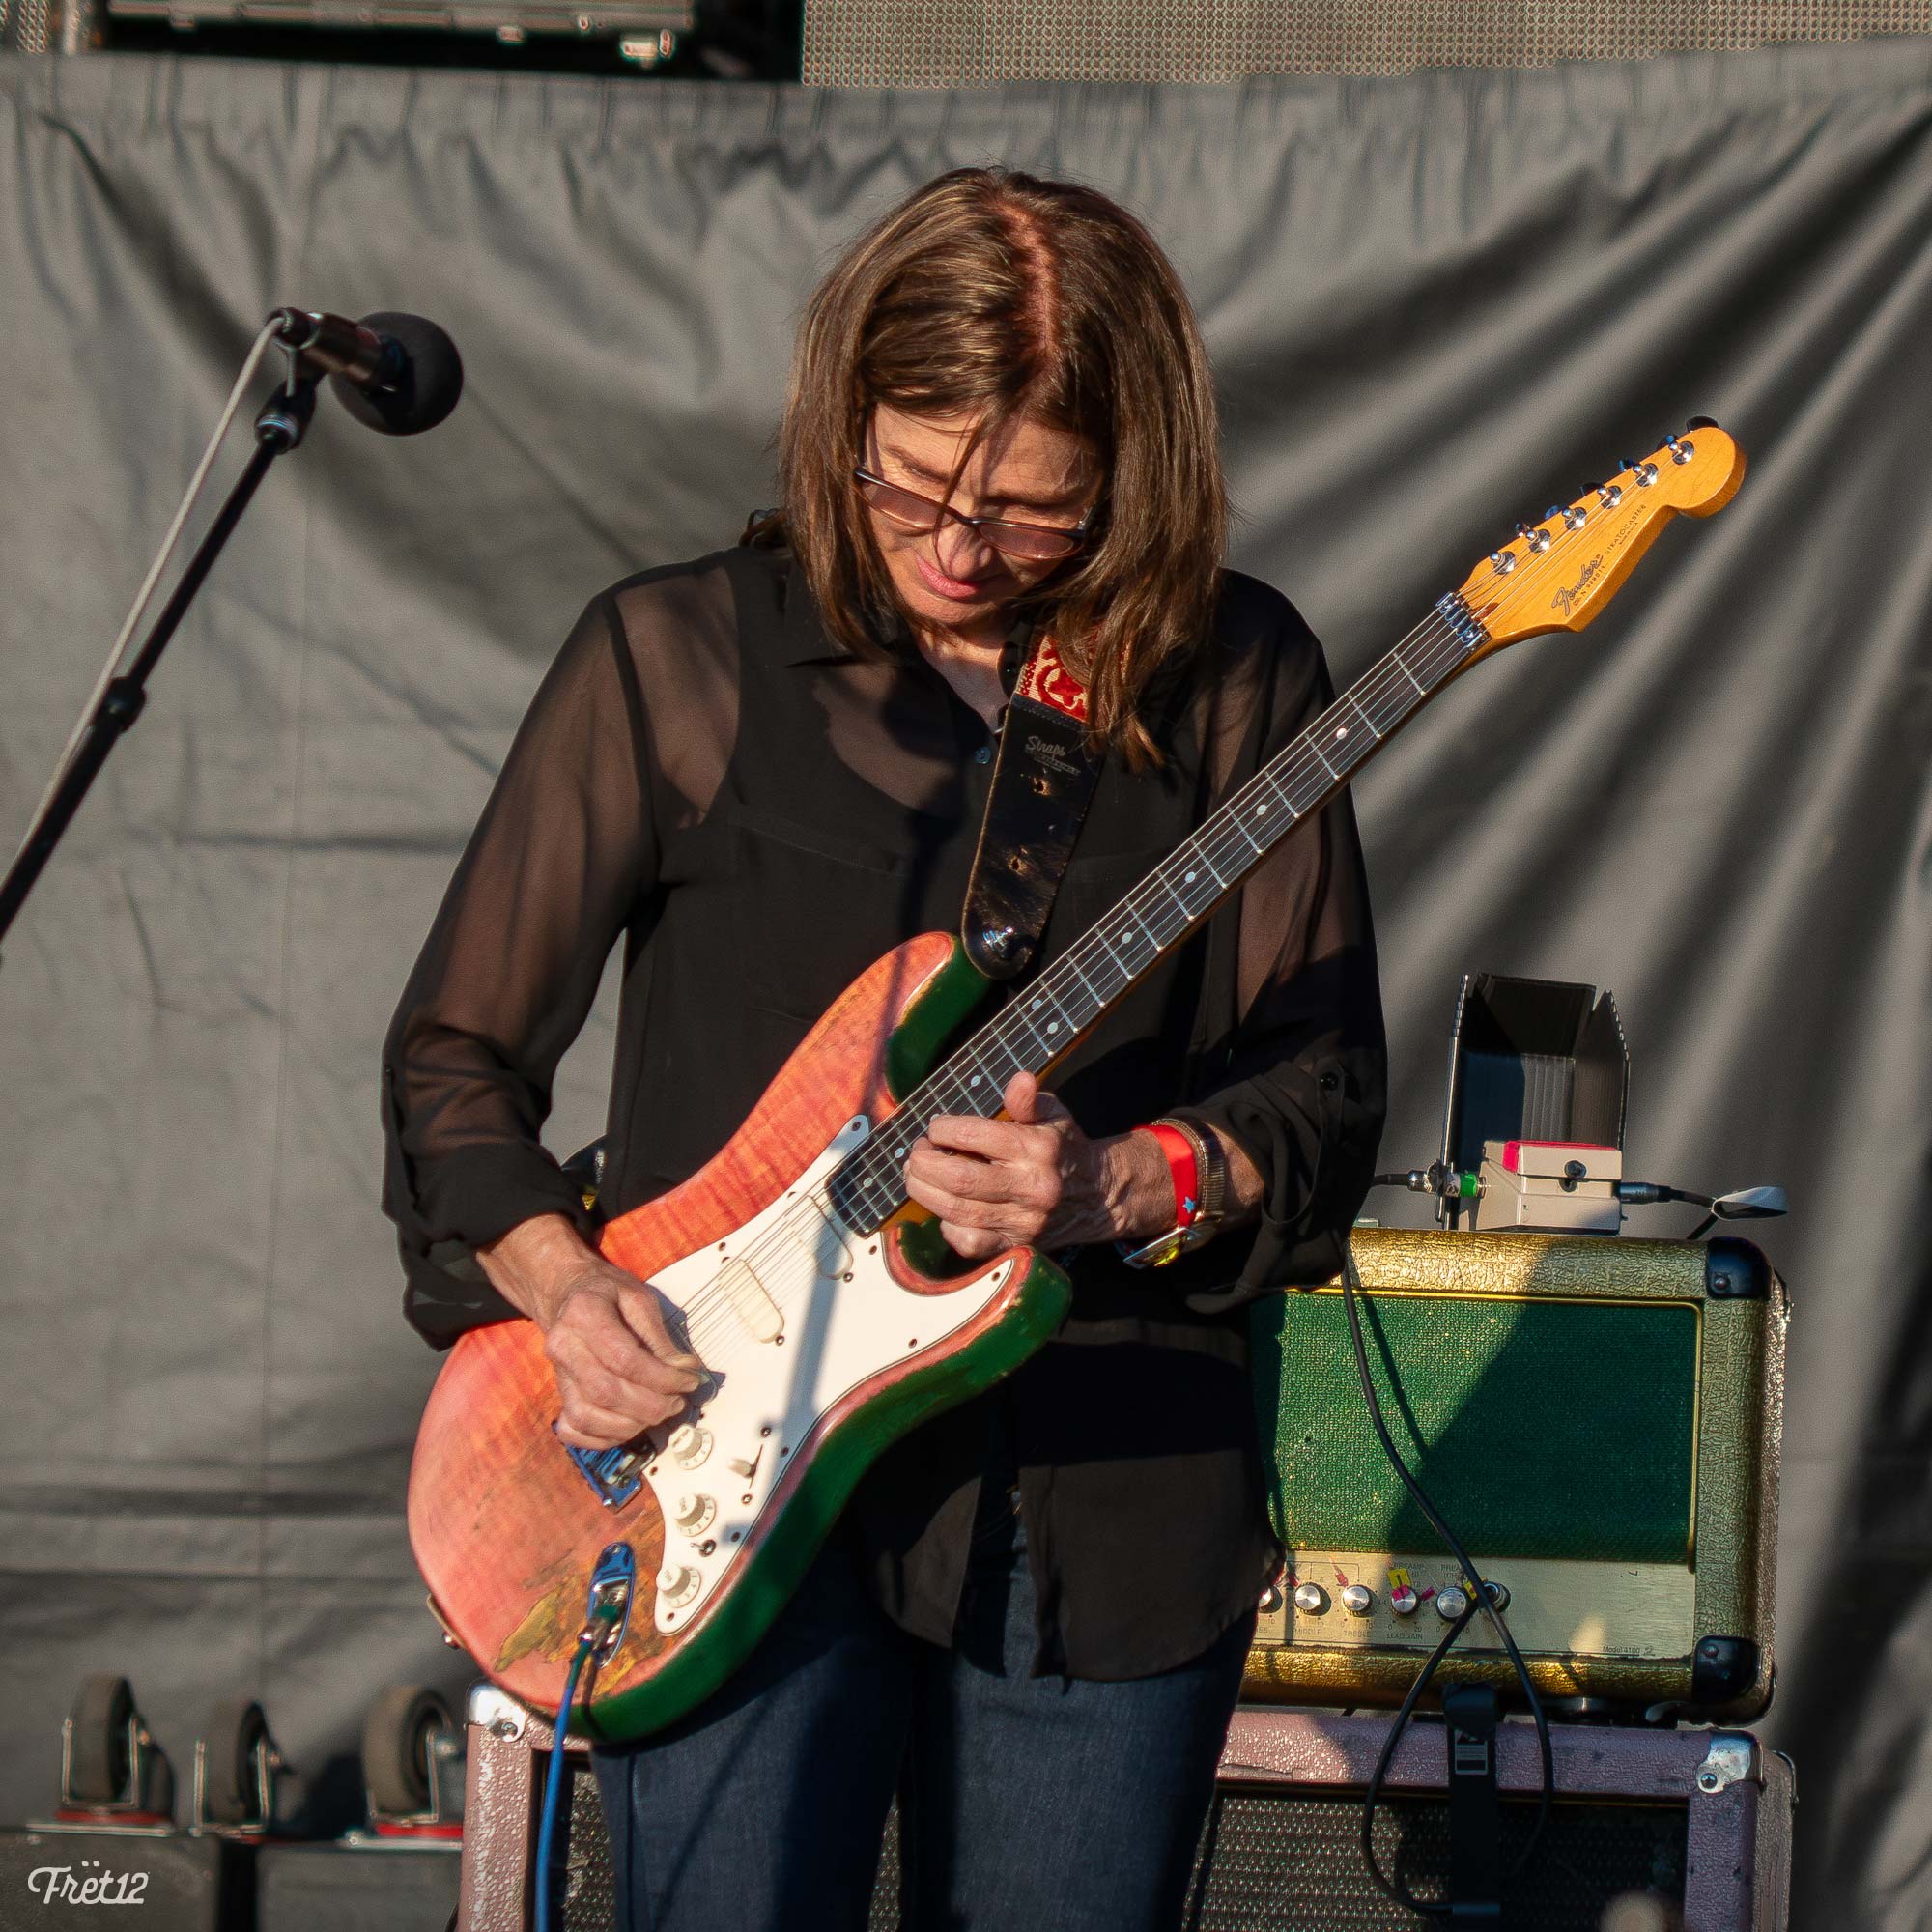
[1199, 1164]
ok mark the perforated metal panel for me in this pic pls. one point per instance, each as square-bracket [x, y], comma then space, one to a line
[588, 1898]
[1272, 1860]
[981, 43]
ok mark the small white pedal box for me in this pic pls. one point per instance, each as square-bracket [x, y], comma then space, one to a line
[1567, 1185]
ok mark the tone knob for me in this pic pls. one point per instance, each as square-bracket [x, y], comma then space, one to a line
[693, 1513]
[1450, 1603]
[1357, 1598]
[689, 1445]
[1311, 1599]
[677, 1583]
[1402, 1600]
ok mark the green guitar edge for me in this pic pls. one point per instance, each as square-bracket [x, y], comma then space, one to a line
[937, 1012]
[774, 1571]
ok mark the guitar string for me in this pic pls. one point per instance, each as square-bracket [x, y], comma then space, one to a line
[709, 1308]
[709, 1313]
[709, 1316]
[716, 1325]
[869, 1171]
[1223, 845]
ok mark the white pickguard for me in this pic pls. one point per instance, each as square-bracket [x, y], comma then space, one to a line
[791, 1314]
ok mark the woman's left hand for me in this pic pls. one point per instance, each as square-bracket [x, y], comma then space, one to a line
[1035, 1180]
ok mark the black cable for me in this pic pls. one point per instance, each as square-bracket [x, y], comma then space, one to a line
[1374, 1791]
[1479, 1598]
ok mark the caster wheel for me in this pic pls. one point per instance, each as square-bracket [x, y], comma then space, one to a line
[396, 1739]
[236, 1740]
[98, 1766]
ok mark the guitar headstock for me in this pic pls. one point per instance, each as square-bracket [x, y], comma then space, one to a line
[1557, 574]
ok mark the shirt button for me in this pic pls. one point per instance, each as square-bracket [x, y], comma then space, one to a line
[983, 755]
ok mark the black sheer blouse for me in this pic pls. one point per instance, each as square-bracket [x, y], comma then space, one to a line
[757, 815]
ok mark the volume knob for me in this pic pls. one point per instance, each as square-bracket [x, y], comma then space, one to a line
[693, 1513]
[677, 1583]
[689, 1445]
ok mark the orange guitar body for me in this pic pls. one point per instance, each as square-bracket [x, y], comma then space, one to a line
[505, 1528]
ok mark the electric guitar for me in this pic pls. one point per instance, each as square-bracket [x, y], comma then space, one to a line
[830, 1316]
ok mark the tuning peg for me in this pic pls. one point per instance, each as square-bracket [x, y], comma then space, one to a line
[1610, 495]
[1503, 560]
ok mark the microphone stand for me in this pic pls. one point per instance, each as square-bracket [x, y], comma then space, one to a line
[279, 425]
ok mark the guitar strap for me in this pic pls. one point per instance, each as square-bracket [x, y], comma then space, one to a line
[1042, 785]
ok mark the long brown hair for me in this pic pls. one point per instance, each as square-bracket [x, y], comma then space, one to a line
[992, 295]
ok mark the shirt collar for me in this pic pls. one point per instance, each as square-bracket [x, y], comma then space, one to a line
[803, 639]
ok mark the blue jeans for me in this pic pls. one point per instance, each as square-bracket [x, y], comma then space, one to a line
[1025, 1801]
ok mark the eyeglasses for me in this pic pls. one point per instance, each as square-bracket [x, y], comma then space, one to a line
[1040, 543]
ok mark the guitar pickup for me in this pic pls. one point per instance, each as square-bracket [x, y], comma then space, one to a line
[744, 1294]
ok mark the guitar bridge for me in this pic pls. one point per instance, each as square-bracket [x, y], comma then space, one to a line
[616, 1474]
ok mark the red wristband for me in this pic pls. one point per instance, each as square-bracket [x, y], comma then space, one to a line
[1182, 1167]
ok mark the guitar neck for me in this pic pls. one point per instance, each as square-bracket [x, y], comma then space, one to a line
[1043, 1020]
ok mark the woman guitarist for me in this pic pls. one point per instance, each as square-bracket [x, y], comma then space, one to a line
[759, 771]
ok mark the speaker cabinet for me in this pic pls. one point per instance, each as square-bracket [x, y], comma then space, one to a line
[1699, 1819]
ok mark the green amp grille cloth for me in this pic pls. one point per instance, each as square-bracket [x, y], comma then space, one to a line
[1561, 1429]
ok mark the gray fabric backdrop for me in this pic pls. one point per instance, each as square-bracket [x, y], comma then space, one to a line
[1436, 304]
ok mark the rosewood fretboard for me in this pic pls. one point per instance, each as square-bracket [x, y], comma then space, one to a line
[1044, 1018]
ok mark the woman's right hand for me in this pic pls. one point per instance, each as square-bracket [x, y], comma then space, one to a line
[618, 1367]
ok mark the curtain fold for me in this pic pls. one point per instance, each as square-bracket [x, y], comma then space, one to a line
[1436, 304]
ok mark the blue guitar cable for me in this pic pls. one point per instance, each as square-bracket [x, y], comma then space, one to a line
[606, 1618]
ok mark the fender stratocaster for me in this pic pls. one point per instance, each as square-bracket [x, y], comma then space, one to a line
[831, 1317]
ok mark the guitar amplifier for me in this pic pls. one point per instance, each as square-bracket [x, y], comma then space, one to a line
[1597, 1419]
[1697, 1821]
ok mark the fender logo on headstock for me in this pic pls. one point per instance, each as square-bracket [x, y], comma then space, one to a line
[1570, 593]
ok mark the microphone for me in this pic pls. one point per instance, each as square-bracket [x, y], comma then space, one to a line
[398, 373]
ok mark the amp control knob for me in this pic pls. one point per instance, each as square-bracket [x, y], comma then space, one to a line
[693, 1513]
[1311, 1599]
[678, 1585]
[1401, 1600]
[1357, 1598]
[689, 1445]
[1450, 1603]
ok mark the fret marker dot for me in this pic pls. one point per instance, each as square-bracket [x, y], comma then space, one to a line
[1341, 730]
[1261, 812]
[1053, 1026]
[898, 1154]
[1035, 1006]
[974, 1082]
[1187, 878]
